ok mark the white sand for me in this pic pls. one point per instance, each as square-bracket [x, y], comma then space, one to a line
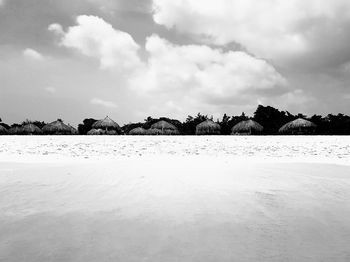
[195, 199]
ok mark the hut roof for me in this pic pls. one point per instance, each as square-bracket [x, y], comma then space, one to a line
[31, 129]
[106, 123]
[95, 132]
[16, 130]
[163, 125]
[247, 126]
[57, 127]
[154, 131]
[208, 127]
[296, 124]
[74, 131]
[3, 130]
[138, 131]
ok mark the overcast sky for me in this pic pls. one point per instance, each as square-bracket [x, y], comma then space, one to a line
[130, 59]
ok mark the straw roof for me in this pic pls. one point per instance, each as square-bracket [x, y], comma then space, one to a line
[3, 130]
[139, 131]
[106, 124]
[31, 129]
[96, 132]
[154, 132]
[17, 130]
[208, 127]
[57, 128]
[298, 126]
[73, 130]
[166, 128]
[163, 125]
[247, 127]
[111, 133]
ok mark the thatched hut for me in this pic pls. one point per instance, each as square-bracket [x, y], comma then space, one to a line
[57, 128]
[73, 130]
[208, 127]
[154, 132]
[31, 129]
[248, 127]
[16, 130]
[96, 132]
[165, 128]
[3, 130]
[107, 124]
[299, 126]
[138, 131]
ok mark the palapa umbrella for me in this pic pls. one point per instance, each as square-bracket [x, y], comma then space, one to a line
[154, 132]
[3, 130]
[299, 126]
[57, 128]
[208, 127]
[165, 128]
[107, 124]
[247, 127]
[31, 129]
[16, 130]
[73, 130]
[96, 132]
[138, 131]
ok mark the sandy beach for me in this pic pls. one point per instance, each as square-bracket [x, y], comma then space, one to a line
[204, 202]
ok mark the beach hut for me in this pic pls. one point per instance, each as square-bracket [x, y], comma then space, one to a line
[57, 128]
[31, 129]
[107, 124]
[208, 127]
[165, 128]
[139, 131]
[299, 126]
[73, 130]
[154, 132]
[3, 130]
[16, 130]
[248, 127]
[96, 132]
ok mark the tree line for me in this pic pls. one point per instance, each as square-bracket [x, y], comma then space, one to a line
[269, 117]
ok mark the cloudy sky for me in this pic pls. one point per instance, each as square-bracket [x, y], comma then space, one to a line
[129, 59]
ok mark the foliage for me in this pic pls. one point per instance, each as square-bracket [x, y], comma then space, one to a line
[86, 126]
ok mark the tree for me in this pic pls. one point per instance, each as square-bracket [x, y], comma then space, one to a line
[271, 118]
[189, 126]
[86, 126]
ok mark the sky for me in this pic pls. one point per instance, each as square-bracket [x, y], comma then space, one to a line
[130, 59]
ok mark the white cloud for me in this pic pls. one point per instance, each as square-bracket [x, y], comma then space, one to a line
[203, 72]
[100, 102]
[50, 89]
[32, 54]
[56, 28]
[279, 30]
[175, 77]
[94, 37]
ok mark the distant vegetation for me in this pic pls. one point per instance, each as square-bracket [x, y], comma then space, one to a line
[271, 119]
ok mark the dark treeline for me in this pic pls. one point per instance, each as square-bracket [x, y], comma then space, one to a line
[269, 117]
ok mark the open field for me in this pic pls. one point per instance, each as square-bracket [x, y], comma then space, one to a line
[174, 199]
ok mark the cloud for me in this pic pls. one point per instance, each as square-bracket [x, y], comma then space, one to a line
[285, 31]
[56, 28]
[209, 74]
[50, 89]
[32, 54]
[100, 102]
[94, 37]
[178, 77]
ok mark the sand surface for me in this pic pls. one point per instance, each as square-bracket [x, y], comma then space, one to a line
[209, 204]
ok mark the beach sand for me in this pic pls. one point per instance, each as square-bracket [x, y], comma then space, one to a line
[174, 208]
